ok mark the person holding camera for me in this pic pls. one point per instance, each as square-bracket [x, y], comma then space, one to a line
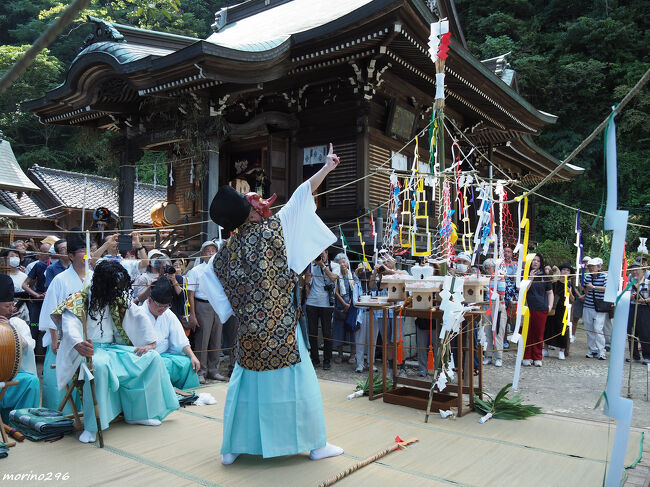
[159, 264]
[320, 281]
[110, 250]
[386, 266]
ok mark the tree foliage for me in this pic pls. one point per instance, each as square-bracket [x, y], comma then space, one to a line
[575, 60]
[22, 21]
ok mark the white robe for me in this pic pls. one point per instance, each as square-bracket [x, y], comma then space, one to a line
[305, 237]
[68, 360]
[170, 336]
[28, 362]
[62, 286]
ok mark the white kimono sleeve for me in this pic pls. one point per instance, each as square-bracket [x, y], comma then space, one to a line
[305, 234]
[67, 358]
[28, 362]
[45, 322]
[211, 286]
[138, 327]
[177, 338]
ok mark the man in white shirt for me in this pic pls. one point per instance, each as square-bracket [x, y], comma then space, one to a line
[63, 285]
[208, 327]
[110, 251]
[27, 393]
[171, 343]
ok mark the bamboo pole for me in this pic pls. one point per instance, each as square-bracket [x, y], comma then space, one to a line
[41, 43]
[367, 461]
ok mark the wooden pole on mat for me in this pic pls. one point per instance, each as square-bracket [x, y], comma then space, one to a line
[367, 461]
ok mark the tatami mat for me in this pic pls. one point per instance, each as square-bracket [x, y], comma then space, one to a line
[542, 451]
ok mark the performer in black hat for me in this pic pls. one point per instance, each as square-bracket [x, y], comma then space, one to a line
[273, 406]
[27, 394]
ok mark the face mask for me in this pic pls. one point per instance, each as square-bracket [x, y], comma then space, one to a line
[461, 267]
[14, 261]
[260, 205]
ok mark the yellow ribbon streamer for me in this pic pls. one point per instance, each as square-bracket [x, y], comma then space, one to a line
[363, 246]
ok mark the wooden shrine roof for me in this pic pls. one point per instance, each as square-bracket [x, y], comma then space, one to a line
[283, 46]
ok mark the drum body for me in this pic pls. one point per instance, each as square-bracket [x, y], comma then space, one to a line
[11, 352]
[164, 214]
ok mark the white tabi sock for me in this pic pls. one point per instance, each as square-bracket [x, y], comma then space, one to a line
[146, 422]
[228, 458]
[327, 451]
[87, 437]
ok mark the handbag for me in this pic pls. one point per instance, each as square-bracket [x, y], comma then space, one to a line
[351, 322]
[602, 306]
[340, 314]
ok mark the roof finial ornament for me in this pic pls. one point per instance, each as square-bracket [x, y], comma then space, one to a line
[104, 31]
[220, 19]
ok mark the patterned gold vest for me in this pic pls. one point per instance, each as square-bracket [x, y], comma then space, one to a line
[253, 270]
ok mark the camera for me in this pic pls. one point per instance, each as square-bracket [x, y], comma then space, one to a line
[169, 269]
[381, 268]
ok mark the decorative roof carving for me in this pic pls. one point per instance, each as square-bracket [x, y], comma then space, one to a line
[104, 31]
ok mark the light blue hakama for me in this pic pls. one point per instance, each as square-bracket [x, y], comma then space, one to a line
[274, 412]
[139, 387]
[52, 396]
[27, 394]
[180, 370]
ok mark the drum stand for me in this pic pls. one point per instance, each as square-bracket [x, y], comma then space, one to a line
[3, 389]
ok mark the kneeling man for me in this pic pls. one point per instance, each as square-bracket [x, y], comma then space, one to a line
[171, 342]
[130, 376]
[27, 394]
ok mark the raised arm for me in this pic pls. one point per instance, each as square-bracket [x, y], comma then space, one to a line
[332, 161]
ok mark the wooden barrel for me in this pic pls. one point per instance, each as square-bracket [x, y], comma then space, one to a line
[164, 213]
[11, 352]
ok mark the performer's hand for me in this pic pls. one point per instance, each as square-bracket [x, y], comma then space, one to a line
[55, 347]
[85, 348]
[142, 350]
[332, 159]
[196, 365]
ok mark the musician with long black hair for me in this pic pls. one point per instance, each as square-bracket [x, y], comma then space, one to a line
[130, 376]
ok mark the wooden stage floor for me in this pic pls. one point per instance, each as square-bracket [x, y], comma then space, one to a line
[546, 450]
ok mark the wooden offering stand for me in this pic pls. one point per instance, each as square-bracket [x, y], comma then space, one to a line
[415, 392]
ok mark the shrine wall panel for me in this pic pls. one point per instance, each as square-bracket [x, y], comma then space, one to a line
[344, 173]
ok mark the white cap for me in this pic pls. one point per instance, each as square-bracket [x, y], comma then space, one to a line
[464, 256]
[595, 261]
[209, 242]
[586, 257]
[154, 252]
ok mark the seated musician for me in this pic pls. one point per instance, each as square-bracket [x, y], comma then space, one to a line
[171, 342]
[27, 394]
[129, 375]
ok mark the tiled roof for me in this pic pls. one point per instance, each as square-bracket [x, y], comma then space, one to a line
[26, 206]
[270, 28]
[66, 188]
[12, 176]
